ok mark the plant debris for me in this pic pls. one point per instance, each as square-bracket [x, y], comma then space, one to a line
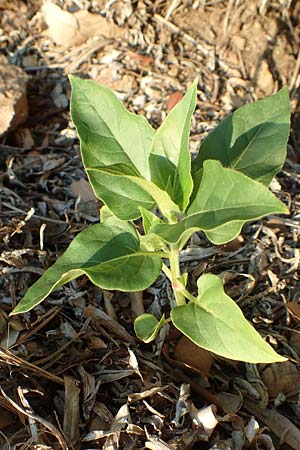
[66, 370]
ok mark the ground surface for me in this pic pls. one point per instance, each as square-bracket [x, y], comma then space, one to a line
[72, 375]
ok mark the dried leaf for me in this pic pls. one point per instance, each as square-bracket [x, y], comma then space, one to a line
[251, 430]
[232, 403]
[82, 188]
[193, 355]
[182, 404]
[173, 99]
[204, 418]
[281, 378]
[120, 422]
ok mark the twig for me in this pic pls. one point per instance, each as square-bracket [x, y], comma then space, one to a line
[46, 219]
[174, 29]
[87, 52]
[172, 8]
[9, 358]
[137, 302]
[107, 297]
[295, 73]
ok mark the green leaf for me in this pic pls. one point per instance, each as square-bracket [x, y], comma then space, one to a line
[123, 196]
[113, 139]
[147, 327]
[108, 253]
[149, 241]
[170, 161]
[252, 140]
[224, 196]
[226, 191]
[167, 207]
[216, 323]
[152, 243]
[106, 214]
[149, 219]
[225, 233]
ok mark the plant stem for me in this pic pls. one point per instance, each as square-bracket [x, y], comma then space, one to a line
[187, 294]
[175, 274]
[167, 272]
[181, 287]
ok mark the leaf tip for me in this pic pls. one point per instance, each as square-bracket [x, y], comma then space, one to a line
[286, 210]
[17, 310]
[71, 78]
[271, 359]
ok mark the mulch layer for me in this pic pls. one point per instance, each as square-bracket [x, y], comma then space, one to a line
[72, 373]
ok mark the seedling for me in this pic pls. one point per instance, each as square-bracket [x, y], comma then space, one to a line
[135, 170]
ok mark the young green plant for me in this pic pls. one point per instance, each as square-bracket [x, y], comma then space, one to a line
[135, 170]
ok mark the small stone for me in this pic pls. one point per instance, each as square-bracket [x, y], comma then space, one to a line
[13, 100]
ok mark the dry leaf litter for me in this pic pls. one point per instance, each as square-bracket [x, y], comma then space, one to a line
[73, 376]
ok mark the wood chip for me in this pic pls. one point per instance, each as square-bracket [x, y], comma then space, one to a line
[71, 412]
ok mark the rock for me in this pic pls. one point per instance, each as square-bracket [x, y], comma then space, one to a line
[13, 100]
[68, 30]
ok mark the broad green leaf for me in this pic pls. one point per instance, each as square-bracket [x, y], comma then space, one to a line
[106, 214]
[225, 191]
[216, 323]
[225, 233]
[252, 140]
[149, 241]
[224, 196]
[146, 327]
[113, 139]
[170, 161]
[108, 253]
[167, 207]
[184, 278]
[123, 196]
[149, 219]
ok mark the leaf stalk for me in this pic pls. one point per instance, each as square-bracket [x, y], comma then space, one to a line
[175, 275]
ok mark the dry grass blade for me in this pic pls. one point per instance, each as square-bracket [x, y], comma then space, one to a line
[107, 297]
[31, 421]
[294, 83]
[39, 324]
[174, 4]
[89, 50]
[147, 393]
[48, 425]
[9, 358]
